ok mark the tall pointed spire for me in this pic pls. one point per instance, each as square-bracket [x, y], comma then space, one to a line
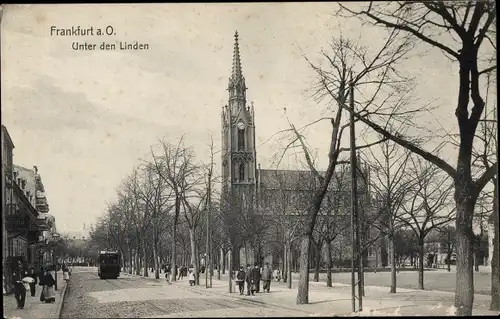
[236, 73]
[236, 87]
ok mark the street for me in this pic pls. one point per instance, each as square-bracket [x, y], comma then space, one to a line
[87, 296]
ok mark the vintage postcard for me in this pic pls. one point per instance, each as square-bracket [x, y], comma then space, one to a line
[249, 159]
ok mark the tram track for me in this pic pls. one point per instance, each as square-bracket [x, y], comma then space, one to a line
[237, 300]
[112, 282]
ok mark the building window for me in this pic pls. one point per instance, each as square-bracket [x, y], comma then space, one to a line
[242, 172]
[241, 140]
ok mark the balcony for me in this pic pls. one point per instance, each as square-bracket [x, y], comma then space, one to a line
[42, 223]
[41, 203]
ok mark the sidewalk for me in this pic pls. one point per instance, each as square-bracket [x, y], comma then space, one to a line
[33, 308]
[336, 301]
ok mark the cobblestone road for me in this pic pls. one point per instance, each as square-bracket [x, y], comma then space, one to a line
[87, 296]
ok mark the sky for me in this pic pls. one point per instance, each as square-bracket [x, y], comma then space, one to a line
[85, 118]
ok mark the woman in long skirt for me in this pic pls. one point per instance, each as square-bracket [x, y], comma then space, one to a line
[41, 282]
[65, 270]
[48, 288]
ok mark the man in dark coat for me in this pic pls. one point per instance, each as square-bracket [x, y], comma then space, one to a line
[257, 276]
[240, 279]
[19, 290]
[267, 276]
[249, 280]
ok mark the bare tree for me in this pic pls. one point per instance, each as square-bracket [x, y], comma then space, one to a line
[447, 240]
[175, 166]
[156, 199]
[134, 186]
[428, 204]
[194, 206]
[459, 30]
[284, 200]
[346, 57]
[334, 217]
[390, 185]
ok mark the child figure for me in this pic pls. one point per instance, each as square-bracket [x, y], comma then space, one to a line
[191, 277]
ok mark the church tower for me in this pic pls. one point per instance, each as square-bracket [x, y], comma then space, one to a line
[238, 143]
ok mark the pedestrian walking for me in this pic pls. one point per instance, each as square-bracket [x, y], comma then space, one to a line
[48, 282]
[277, 275]
[182, 273]
[41, 282]
[257, 276]
[253, 278]
[240, 279]
[191, 277]
[32, 273]
[168, 271]
[19, 289]
[65, 271]
[267, 276]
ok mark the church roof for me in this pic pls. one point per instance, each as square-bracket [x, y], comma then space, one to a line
[296, 179]
[300, 179]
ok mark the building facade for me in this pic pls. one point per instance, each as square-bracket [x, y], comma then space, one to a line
[7, 176]
[21, 222]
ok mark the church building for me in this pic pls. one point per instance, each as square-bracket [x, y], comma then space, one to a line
[246, 188]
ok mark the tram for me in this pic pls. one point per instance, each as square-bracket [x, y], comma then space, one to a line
[109, 264]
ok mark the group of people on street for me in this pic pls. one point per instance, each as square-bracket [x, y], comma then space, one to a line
[25, 280]
[252, 277]
[182, 272]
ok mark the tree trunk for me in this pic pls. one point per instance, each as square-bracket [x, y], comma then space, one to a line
[155, 256]
[145, 258]
[318, 261]
[193, 255]
[131, 256]
[328, 265]
[174, 253]
[393, 265]
[223, 261]
[284, 270]
[289, 267]
[230, 273]
[221, 264]
[376, 257]
[495, 258]
[124, 259]
[464, 293]
[303, 289]
[137, 260]
[421, 263]
[476, 259]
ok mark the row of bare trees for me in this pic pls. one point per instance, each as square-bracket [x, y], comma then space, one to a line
[464, 32]
[158, 204]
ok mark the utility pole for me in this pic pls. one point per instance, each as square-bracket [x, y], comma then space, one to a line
[207, 254]
[356, 259]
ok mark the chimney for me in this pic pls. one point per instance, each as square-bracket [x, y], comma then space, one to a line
[36, 169]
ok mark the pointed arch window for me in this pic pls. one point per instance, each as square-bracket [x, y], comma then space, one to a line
[241, 172]
[241, 140]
